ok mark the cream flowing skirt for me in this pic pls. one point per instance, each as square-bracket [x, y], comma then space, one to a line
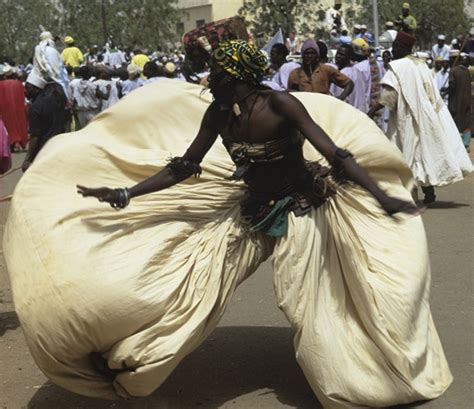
[146, 285]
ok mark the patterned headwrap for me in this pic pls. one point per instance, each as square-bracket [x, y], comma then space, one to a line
[242, 60]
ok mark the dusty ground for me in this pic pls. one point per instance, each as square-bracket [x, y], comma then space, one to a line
[248, 361]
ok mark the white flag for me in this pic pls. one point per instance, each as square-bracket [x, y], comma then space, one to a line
[277, 39]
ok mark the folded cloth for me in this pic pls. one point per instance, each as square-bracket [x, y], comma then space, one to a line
[146, 285]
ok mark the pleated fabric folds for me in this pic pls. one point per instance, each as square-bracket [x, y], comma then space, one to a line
[146, 285]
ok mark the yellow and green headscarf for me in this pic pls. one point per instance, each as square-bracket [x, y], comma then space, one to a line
[242, 60]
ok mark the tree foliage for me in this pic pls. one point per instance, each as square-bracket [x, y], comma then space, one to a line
[433, 17]
[144, 23]
[306, 17]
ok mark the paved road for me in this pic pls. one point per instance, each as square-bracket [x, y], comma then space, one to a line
[248, 361]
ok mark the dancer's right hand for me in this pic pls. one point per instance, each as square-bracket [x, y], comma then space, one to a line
[103, 194]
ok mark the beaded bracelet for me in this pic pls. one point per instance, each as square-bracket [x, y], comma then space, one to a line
[123, 199]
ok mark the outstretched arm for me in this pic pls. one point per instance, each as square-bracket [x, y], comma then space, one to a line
[289, 106]
[176, 171]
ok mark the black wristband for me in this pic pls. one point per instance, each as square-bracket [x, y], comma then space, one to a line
[342, 153]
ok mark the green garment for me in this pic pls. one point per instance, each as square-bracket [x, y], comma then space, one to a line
[276, 223]
[409, 21]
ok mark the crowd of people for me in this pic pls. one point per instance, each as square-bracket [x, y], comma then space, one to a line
[346, 66]
[128, 296]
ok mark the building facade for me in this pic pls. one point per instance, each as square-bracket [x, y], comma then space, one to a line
[199, 12]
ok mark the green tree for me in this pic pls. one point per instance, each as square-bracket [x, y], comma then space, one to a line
[433, 17]
[20, 22]
[267, 16]
[144, 23]
[306, 17]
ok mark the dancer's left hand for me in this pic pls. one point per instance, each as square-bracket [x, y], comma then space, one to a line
[393, 205]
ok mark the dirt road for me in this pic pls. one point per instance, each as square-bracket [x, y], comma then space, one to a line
[248, 362]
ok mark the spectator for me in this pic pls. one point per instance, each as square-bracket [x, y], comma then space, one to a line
[406, 22]
[133, 82]
[282, 68]
[152, 72]
[293, 43]
[390, 29]
[316, 77]
[440, 49]
[460, 96]
[85, 101]
[335, 19]
[357, 97]
[107, 90]
[114, 58]
[46, 116]
[13, 110]
[140, 58]
[71, 55]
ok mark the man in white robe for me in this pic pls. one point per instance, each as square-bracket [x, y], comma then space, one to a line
[86, 103]
[441, 77]
[48, 64]
[420, 123]
[357, 98]
[372, 72]
[282, 67]
[334, 18]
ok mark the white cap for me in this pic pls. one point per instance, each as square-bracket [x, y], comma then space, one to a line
[423, 55]
[7, 69]
[357, 26]
[133, 69]
[46, 35]
[363, 27]
[36, 80]
[441, 37]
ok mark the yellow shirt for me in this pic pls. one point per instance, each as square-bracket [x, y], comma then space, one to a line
[140, 60]
[72, 56]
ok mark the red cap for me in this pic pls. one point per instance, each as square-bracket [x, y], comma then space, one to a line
[405, 39]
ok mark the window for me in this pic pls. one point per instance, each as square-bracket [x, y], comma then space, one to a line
[180, 28]
[200, 23]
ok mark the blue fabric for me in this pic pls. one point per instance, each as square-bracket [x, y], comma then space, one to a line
[466, 137]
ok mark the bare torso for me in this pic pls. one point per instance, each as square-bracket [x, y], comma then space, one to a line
[259, 123]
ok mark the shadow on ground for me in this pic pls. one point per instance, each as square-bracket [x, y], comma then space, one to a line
[8, 321]
[445, 205]
[233, 362]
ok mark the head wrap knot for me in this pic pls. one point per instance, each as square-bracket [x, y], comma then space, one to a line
[241, 60]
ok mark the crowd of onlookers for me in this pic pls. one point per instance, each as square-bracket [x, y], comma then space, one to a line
[347, 65]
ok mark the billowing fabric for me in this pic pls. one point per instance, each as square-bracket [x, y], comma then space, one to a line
[422, 127]
[146, 285]
[242, 60]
